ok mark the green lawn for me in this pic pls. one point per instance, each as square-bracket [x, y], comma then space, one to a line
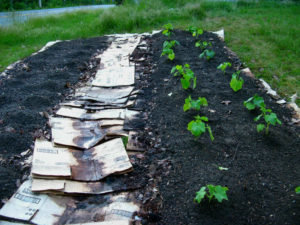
[266, 35]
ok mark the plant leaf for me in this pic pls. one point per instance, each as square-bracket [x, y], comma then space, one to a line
[260, 127]
[196, 127]
[200, 195]
[185, 83]
[272, 119]
[220, 193]
[297, 190]
[236, 83]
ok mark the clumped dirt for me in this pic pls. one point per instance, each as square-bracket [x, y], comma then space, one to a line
[263, 170]
[27, 95]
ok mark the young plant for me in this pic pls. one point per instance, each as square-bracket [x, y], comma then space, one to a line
[297, 190]
[207, 54]
[202, 44]
[194, 104]
[198, 126]
[254, 102]
[236, 82]
[167, 49]
[168, 29]
[269, 117]
[187, 75]
[223, 66]
[195, 31]
[218, 192]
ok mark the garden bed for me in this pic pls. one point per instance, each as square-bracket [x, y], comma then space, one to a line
[263, 170]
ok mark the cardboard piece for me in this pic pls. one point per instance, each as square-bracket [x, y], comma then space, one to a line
[35, 208]
[106, 95]
[84, 114]
[75, 133]
[109, 185]
[119, 207]
[89, 165]
[114, 77]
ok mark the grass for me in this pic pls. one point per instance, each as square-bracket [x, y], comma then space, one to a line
[265, 35]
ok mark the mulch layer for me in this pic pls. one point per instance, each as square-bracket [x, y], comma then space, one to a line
[263, 170]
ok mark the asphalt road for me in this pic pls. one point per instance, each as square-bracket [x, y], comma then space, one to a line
[10, 18]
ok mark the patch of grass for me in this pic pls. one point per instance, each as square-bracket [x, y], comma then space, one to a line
[265, 35]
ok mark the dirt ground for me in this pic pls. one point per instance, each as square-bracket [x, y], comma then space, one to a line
[262, 170]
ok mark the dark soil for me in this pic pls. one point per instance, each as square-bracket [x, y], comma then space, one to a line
[34, 86]
[263, 170]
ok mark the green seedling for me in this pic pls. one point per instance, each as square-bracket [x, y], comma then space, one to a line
[207, 54]
[194, 104]
[269, 117]
[218, 192]
[236, 82]
[167, 49]
[202, 44]
[223, 66]
[195, 31]
[254, 102]
[168, 29]
[187, 75]
[198, 126]
[297, 190]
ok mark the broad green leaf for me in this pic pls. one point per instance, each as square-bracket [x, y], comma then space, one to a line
[220, 193]
[173, 69]
[185, 83]
[171, 56]
[204, 118]
[272, 119]
[201, 55]
[197, 44]
[260, 127]
[211, 189]
[210, 54]
[297, 190]
[236, 83]
[196, 128]
[199, 31]
[200, 195]
[203, 101]
[249, 105]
